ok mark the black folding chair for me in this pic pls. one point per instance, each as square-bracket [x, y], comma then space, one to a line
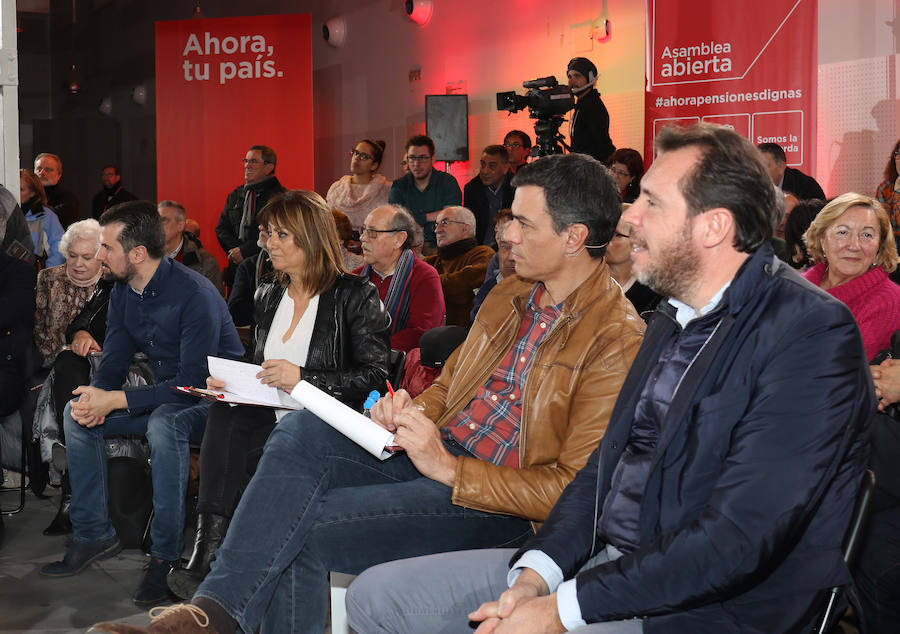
[852, 542]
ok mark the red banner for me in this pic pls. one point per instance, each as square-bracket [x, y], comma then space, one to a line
[749, 64]
[223, 85]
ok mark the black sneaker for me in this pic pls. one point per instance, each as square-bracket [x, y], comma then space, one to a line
[80, 555]
[153, 588]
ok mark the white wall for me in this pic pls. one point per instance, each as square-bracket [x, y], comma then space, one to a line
[363, 89]
[858, 100]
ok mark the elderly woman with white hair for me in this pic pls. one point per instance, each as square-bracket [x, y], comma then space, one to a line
[69, 325]
[853, 247]
[63, 290]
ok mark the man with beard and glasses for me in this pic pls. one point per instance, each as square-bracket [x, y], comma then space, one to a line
[719, 496]
[176, 317]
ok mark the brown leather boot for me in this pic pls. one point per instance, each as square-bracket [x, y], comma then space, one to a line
[182, 618]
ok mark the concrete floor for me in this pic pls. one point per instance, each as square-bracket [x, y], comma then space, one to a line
[31, 603]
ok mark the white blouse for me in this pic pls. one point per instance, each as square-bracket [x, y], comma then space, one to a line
[295, 349]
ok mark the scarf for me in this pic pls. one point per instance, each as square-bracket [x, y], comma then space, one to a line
[249, 212]
[396, 301]
[251, 191]
[83, 284]
[357, 201]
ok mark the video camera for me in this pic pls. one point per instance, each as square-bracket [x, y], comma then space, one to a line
[547, 102]
[545, 98]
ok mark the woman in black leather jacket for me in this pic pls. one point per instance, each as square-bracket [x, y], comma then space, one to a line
[333, 330]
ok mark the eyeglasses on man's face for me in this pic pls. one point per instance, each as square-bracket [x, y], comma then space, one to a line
[446, 222]
[362, 156]
[373, 233]
[418, 159]
[515, 145]
[252, 161]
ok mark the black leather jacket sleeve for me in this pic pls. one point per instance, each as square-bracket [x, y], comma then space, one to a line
[356, 361]
[92, 317]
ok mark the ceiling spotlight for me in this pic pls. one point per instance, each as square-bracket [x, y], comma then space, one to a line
[335, 31]
[139, 94]
[419, 11]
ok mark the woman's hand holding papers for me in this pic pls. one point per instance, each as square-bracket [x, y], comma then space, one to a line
[214, 384]
[279, 373]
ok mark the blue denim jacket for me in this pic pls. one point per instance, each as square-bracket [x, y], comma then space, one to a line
[177, 321]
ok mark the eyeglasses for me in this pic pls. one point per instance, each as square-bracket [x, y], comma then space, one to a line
[896, 153]
[619, 172]
[362, 156]
[446, 222]
[373, 233]
[513, 146]
[418, 159]
[253, 161]
[843, 236]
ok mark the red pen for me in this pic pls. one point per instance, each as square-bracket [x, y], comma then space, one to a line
[390, 389]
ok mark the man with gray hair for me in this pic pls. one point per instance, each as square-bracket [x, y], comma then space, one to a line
[237, 229]
[182, 246]
[461, 262]
[410, 288]
[48, 168]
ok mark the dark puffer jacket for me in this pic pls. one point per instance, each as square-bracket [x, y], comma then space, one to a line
[348, 353]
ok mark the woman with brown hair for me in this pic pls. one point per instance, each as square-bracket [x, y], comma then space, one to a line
[314, 322]
[627, 168]
[363, 189]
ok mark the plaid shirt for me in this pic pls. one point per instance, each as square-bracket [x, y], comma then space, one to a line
[489, 426]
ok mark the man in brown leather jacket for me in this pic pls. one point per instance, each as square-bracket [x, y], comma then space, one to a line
[488, 448]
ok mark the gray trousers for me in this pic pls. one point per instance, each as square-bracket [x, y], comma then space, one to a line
[435, 593]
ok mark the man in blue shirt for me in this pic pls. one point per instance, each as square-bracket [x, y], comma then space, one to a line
[423, 190]
[176, 317]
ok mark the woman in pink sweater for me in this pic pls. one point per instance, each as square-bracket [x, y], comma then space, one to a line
[852, 244]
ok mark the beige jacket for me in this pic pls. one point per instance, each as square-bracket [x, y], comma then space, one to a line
[569, 394]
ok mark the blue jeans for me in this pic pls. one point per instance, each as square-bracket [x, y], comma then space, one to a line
[170, 429]
[319, 503]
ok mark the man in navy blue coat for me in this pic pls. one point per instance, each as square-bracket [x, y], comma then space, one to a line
[720, 494]
[176, 317]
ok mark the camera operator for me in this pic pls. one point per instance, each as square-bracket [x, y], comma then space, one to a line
[589, 133]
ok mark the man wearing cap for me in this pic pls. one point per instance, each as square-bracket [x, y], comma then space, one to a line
[589, 133]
